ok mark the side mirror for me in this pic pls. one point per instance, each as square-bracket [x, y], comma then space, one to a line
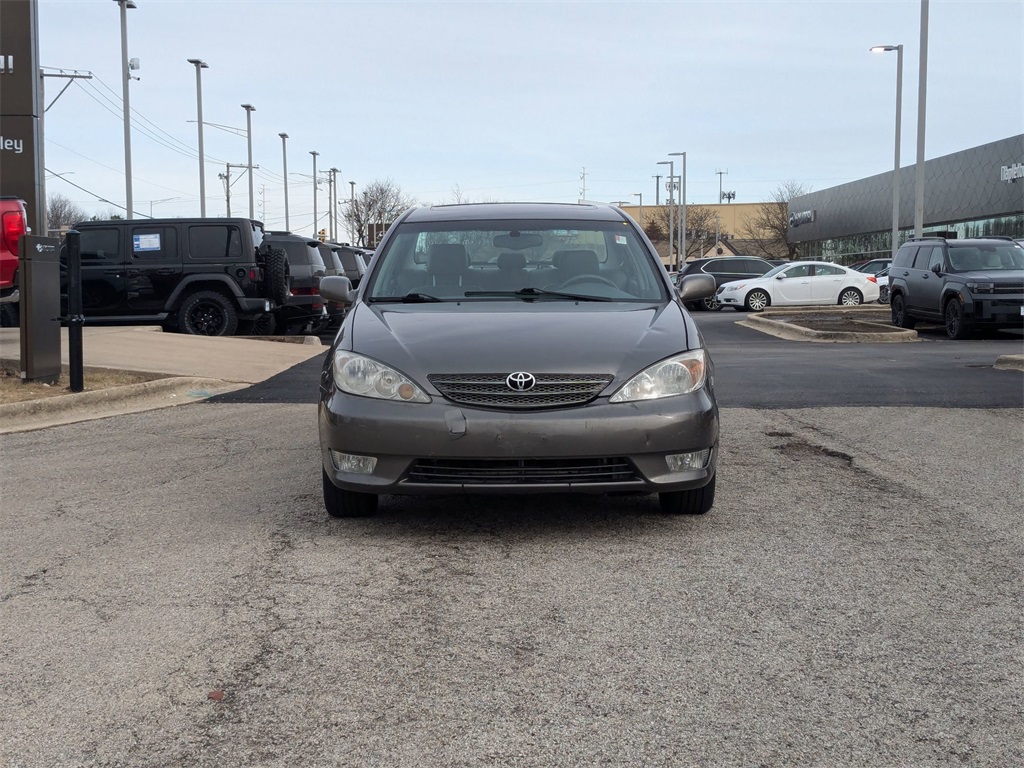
[694, 287]
[781, 276]
[337, 288]
[936, 268]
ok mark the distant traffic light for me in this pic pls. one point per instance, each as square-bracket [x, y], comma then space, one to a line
[322, 235]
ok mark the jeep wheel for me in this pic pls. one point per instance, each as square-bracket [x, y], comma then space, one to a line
[883, 294]
[693, 502]
[757, 300]
[207, 313]
[898, 310]
[276, 275]
[956, 328]
[341, 503]
[850, 298]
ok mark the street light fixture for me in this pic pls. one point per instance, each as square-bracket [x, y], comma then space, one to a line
[682, 215]
[126, 76]
[200, 65]
[641, 196]
[671, 203]
[315, 154]
[284, 159]
[165, 200]
[896, 162]
[249, 109]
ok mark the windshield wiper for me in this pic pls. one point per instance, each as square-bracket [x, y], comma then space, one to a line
[413, 297]
[536, 293]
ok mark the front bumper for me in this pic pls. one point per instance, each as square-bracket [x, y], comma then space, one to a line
[408, 438]
[9, 295]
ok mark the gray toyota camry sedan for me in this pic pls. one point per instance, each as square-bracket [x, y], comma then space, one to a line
[516, 348]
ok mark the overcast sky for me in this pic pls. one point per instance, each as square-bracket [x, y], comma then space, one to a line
[512, 100]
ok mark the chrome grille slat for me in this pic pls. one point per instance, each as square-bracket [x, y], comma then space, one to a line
[490, 389]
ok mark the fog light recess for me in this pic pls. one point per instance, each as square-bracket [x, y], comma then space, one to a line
[682, 462]
[357, 465]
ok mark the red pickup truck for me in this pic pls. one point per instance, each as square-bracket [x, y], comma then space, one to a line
[13, 224]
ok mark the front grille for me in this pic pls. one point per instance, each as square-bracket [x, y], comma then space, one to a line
[489, 390]
[470, 472]
[1008, 288]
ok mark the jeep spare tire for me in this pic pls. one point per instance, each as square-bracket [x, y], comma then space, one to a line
[276, 275]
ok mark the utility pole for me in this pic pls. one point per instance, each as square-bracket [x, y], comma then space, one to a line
[226, 176]
[726, 172]
[657, 190]
[583, 189]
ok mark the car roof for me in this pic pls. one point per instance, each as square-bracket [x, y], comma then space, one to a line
[515, 211]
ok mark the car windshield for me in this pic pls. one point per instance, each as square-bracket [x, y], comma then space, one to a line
[986, 257]
[547, 260]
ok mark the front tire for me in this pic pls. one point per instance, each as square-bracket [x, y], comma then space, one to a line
[851, 297]
[340, 503]
[262, 324]
[898, 312]
[208, 313]
[956, 326]
[757, 301]
[710, 303]
[696, 501]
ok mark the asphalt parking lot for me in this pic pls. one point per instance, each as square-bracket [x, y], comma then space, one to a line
[172, 593]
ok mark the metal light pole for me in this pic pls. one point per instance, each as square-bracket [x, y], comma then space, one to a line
[164, 200]
[641, 196]
[333, 197]
[249, 109]
[314, 153]
[284, 158]
[352, 211]
[896, 162]
[200, 65]
[682, 215]
[126, 78]
[922, 87]
[671, 207]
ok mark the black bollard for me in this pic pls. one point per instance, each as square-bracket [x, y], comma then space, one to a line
[75, 318]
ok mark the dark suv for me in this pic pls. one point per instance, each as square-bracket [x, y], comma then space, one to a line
[724, 269]
[965, 284]
[304, 309]
[199, 276]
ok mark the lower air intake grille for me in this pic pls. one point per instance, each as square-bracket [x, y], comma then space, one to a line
[521, 471]
[489, 390]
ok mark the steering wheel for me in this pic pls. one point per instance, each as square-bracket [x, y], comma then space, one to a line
[587, 279]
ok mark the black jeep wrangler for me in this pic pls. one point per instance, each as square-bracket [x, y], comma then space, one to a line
[199, 276]
[965, 284]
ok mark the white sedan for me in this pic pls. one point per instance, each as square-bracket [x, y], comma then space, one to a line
[797, 283]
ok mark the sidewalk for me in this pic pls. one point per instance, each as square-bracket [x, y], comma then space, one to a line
[203, 366]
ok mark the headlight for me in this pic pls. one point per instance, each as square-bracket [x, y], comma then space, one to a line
[676, 376]
[732, 286]
[981, 287]
[360, 375]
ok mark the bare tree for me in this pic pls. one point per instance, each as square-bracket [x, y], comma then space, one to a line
[373, 210]
[61, 212]
[768, 229]
[700, 223]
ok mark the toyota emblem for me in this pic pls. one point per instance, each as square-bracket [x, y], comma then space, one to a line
[520, 381]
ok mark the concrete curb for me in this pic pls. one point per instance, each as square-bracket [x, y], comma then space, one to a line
[113, 401]
[1010, 363]
[795, 332]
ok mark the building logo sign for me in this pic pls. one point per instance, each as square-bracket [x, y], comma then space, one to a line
[802, 217]
[1010, 173]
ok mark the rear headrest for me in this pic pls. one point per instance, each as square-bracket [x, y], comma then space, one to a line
[447, 259]
[576, 261]
[511, 260]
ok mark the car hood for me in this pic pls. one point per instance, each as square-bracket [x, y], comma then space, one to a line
[1013, 276]
[539, 337]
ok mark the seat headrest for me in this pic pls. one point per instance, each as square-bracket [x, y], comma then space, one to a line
[511, 260]
[578, 261]
[447, 259]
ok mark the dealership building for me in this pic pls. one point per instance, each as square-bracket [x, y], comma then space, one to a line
[974, 193]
